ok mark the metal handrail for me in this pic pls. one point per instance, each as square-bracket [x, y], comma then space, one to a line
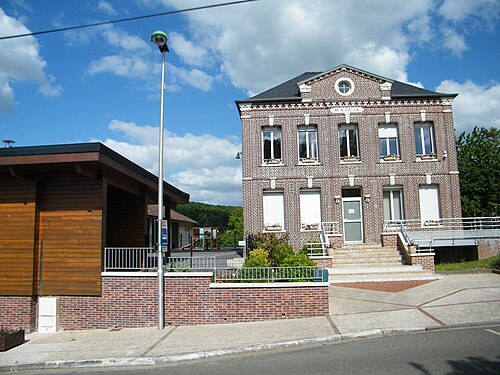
[197, 263]
[462, 223]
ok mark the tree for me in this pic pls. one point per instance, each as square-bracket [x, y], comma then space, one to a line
[234, 226]
[478, 155]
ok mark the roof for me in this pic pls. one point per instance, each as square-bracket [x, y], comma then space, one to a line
[176, 216]
[94, 155]
[289, 90]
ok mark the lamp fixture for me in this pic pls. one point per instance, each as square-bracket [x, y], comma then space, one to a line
[160, 39]
[367, 198]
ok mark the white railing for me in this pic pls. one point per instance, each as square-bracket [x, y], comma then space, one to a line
[272, 274]
[425, 234]
[129, 258]
[491, 225]
[330, 227]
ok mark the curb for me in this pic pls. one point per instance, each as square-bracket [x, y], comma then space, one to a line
[149, 361]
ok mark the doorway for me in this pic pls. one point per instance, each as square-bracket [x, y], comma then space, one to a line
[352, 215]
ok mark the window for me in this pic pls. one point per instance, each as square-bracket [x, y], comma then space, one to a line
[310, 210]
[274, 214]
[349, 144]
[308, 144]
[344, 86]
[393, 204]
[271, 145]
[388, 141]
[424, 140]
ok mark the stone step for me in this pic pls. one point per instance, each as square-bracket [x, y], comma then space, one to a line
[366, 246]
[383, 259]
[380, 273]
[366, 255]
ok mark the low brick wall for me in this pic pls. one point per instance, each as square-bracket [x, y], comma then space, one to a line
[426, 260]
[322, 261]
[487, 248]
[18, 312]
[190, 298]
[390, 239]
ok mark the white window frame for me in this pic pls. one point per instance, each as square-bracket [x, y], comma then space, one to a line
[311, 138]
[310, 210]
[273, 211]
[419, 133]
[386, 133]
[392, 206]
[272, 159]
[348, 137]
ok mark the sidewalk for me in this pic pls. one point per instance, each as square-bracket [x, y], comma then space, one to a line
[354, 312]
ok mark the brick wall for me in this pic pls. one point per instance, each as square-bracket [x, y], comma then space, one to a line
[487, 248]
[18, 312]
[326, 262]
[132, 302]
[427, 261]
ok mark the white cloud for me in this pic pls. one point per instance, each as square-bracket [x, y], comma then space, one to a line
[124, 41]
[107, 8]
[454, 42]
[460, 10]
[202, 165]
[129, 66]
[475, 105]
[21, 62]
[262, 44]
[188, 51]
[192, 77]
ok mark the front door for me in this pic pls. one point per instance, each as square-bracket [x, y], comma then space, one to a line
[352, 218]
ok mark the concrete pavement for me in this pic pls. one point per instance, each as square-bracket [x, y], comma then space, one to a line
[354, 312]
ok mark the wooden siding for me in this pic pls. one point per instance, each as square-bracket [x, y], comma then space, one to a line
[17, 235]
[69, 223]
[125, 219]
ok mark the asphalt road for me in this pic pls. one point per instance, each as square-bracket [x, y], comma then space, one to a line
[474, 350]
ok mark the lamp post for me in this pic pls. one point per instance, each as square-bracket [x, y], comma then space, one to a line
[160, 39]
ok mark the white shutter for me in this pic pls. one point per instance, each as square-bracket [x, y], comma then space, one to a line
[274, 214]
[310, 210]
[387, 131]
[429, 202]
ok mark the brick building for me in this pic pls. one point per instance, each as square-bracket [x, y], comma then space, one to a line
[348, 147]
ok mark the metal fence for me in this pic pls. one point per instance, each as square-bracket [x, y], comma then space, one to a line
[272, 274]
[130, 258]
[489, 225]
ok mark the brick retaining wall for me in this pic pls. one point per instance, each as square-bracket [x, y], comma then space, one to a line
[487, 248]
[131, 301]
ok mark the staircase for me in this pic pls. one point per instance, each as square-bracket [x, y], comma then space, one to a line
[372, 262]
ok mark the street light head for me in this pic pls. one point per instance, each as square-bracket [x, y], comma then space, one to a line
[160, 39]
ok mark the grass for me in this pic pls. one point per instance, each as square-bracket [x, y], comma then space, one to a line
[488, 263]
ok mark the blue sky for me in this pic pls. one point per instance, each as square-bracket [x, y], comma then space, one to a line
[103, 83]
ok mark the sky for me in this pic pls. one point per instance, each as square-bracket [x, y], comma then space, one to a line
[102, 84]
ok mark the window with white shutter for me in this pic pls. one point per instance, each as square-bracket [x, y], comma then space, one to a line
[310, 210]
[274, 213]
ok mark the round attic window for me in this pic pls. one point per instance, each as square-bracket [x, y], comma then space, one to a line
[344, 86]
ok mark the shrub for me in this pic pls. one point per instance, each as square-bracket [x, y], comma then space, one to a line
[276, 245]
[495, 262]
[256, 262]
[297, 260]
[260, 253]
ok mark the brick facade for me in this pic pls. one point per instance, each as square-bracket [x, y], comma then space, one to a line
[425, 260]
[371, 106]
[131, 301]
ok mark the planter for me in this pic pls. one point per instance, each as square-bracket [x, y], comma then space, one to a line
[391, 158]
[11, 339]
[350, 159]
[311, 160]
[428, 157]
[412, 249]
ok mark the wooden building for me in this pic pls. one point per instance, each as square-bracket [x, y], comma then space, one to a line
[60, 206]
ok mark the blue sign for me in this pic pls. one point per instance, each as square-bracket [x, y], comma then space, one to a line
[164, 232]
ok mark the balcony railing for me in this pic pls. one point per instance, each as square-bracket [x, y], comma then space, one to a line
[130, 258]
[489, 224]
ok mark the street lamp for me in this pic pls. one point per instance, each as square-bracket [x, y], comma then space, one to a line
[160, 39]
